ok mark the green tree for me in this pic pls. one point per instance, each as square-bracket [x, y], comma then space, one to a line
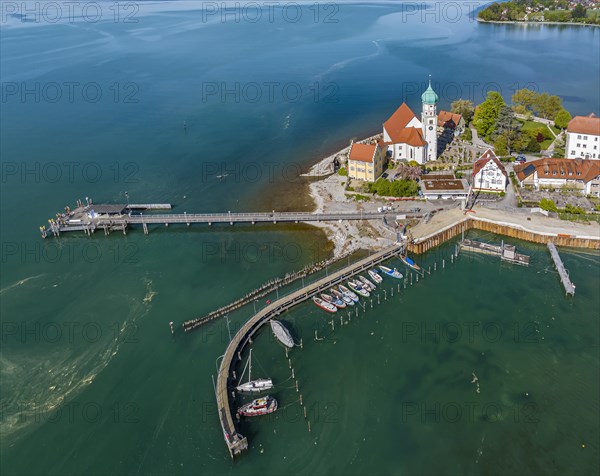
[465, 108]
[524, 99]
[547, 106]
[486, 114]
[508, 126]
[501, 146]
[579, 11]
[562, 119]
[548, 205]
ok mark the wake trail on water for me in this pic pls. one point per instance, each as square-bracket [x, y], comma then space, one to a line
[36, 384]
[19, 283]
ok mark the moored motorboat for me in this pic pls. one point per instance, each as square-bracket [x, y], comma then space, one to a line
[393, 273]
[410, 263]
[326, 306]
[260, 406]
[375, 276]
[339, 303]
[341, 296]
[357, 288]
[367, 283]
[346, 292]
[282, 334]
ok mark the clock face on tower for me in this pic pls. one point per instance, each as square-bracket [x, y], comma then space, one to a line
[430, 128]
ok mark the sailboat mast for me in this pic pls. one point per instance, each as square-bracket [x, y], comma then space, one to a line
[250, 366]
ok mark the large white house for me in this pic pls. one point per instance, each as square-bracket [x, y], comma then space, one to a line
[408, 138]
[555, 173]
[489, 175]
[583, 137]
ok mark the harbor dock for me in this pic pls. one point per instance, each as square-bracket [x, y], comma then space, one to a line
[562, 271]
[236, 443]
[118, 217]
[506, 252]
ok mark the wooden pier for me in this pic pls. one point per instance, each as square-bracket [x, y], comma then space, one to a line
[562, 271]
[236, 443]
[118, 217]
[506, 253]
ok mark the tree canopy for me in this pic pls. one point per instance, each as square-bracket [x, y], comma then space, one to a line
[487, 113]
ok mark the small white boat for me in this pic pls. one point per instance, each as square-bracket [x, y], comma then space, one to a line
[346, 292]
[253, 386]
[282, 334]
[339, 295]
[357, 288]
[393, 273]
[367, 283]
[375, 276]
[326, 306]
[339, 303]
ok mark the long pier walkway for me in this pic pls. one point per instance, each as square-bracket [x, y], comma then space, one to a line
[119, 217]
[562, 271]
[236, 443]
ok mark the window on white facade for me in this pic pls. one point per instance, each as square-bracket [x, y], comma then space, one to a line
[579, 136]
[584, 137]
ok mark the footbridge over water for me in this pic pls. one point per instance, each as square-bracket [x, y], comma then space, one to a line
[120, 217]
[236, 443]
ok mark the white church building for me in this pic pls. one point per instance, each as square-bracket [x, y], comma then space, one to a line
[408, 138]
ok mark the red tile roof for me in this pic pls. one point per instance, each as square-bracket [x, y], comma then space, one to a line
[362, 152]
[396, 124]
[573, 169]
[585, 125]
[448, 119]
[484, 159]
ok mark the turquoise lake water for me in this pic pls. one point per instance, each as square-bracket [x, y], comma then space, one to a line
[92, 380]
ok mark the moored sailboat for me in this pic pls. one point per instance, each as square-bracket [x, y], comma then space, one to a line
[282, 334]
[326, 306]
[341, 296]
[260, 406]
[375, 276]
[367, 283]
[346, 292]
[393, 273]
[410, 263]
[253, 386]
[339, 303]
[357, 288]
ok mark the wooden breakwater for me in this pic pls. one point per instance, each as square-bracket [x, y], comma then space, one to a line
[423, 244]
[260, 292]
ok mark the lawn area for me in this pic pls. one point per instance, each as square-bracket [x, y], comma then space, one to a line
[532, 126]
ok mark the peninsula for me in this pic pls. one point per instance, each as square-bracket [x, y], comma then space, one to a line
[551, 12]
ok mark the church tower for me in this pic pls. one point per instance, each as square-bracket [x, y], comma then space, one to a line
[429, 121]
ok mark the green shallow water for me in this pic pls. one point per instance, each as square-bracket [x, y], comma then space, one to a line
[92, 382]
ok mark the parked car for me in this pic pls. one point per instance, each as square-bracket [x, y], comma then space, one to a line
[385, 175]
[520, 159]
